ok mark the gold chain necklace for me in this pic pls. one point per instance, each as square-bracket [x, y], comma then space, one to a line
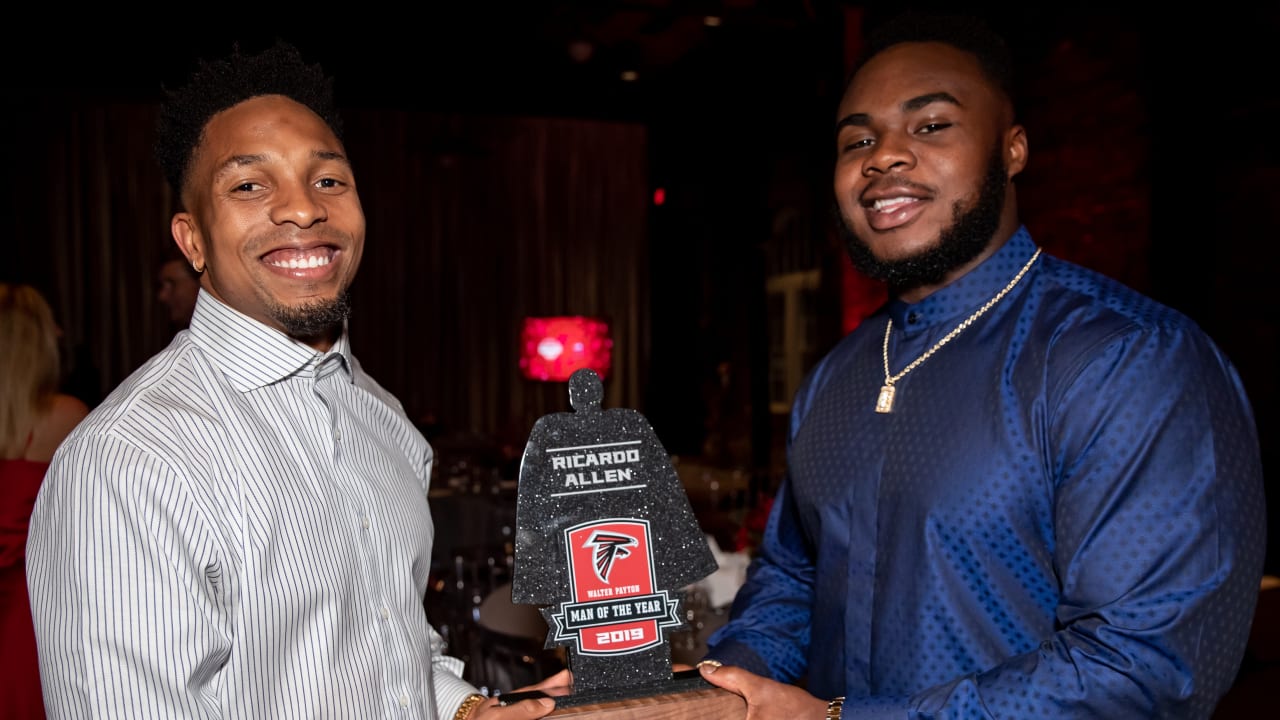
[884, 403]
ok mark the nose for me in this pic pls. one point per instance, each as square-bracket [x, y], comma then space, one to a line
[298, 203]
[891, 153]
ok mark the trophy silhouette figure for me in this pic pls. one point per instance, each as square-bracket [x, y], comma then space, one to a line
[606, 540]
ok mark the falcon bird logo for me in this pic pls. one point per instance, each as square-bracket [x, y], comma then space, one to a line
[609, 547]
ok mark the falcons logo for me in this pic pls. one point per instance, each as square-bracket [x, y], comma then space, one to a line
[608, 548]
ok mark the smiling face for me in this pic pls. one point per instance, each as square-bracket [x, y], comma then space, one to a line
[926, 148]
[274, 220]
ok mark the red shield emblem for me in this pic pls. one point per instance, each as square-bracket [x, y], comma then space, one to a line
[615, 608]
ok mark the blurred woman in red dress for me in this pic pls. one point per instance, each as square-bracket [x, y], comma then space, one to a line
[34, 419]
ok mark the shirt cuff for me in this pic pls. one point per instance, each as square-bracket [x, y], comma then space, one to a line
[875, 708]
[739, 655]
[449, 686]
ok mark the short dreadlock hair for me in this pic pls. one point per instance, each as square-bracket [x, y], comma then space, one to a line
[223, 83]
[963, 31]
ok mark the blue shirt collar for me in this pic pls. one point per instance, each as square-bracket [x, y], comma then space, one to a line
[968, 293]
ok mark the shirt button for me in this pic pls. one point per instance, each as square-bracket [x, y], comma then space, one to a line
[913, 317]
[385, 613]
[337, 435]
[364, 522]
[404, 701]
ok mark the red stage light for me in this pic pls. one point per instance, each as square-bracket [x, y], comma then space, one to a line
[552, 348]
[659, 196]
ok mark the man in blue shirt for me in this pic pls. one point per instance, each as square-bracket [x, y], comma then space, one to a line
[1020, 489]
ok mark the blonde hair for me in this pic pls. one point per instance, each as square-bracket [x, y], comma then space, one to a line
[29, 371]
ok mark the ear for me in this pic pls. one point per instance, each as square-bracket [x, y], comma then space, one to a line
[186, 233]
[1015, 150]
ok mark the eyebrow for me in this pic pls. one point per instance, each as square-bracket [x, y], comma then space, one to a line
[331, 155]
[910, 105]
[236, 161]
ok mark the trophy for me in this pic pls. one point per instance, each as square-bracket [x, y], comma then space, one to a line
[606, 541]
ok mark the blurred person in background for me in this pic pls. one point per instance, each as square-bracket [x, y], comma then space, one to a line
[177, 286]
[34, 419]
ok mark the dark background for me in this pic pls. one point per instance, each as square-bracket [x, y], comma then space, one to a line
[1154, 157]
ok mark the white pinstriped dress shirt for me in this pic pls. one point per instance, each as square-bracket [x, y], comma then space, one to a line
[240, 530]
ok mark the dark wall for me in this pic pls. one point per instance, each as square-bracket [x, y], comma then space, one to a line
[1153, 159]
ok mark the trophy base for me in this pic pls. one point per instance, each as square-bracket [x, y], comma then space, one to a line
[686, 694]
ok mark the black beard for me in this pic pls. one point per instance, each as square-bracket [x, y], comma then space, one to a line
[968, 236]
[323, 319]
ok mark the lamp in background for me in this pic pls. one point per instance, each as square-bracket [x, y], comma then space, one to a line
[552, 348]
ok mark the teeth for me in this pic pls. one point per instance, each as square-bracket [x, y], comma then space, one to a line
[311, 261]
[891, 203]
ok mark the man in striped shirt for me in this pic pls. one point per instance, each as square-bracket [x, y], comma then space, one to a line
[240, 530]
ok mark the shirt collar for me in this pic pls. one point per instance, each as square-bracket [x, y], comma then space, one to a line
[968, 293]
[253, 355]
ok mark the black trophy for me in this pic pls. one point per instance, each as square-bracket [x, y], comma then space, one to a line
[605, 543]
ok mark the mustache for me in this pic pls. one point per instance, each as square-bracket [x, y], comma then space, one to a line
[280, 237]
[892, 184]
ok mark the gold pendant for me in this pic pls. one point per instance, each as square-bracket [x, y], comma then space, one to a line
[884, 403]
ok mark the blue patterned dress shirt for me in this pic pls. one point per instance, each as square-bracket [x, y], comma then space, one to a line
[1062, 516]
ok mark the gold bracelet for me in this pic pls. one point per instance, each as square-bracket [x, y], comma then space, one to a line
[835, 708]
[468, 706]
